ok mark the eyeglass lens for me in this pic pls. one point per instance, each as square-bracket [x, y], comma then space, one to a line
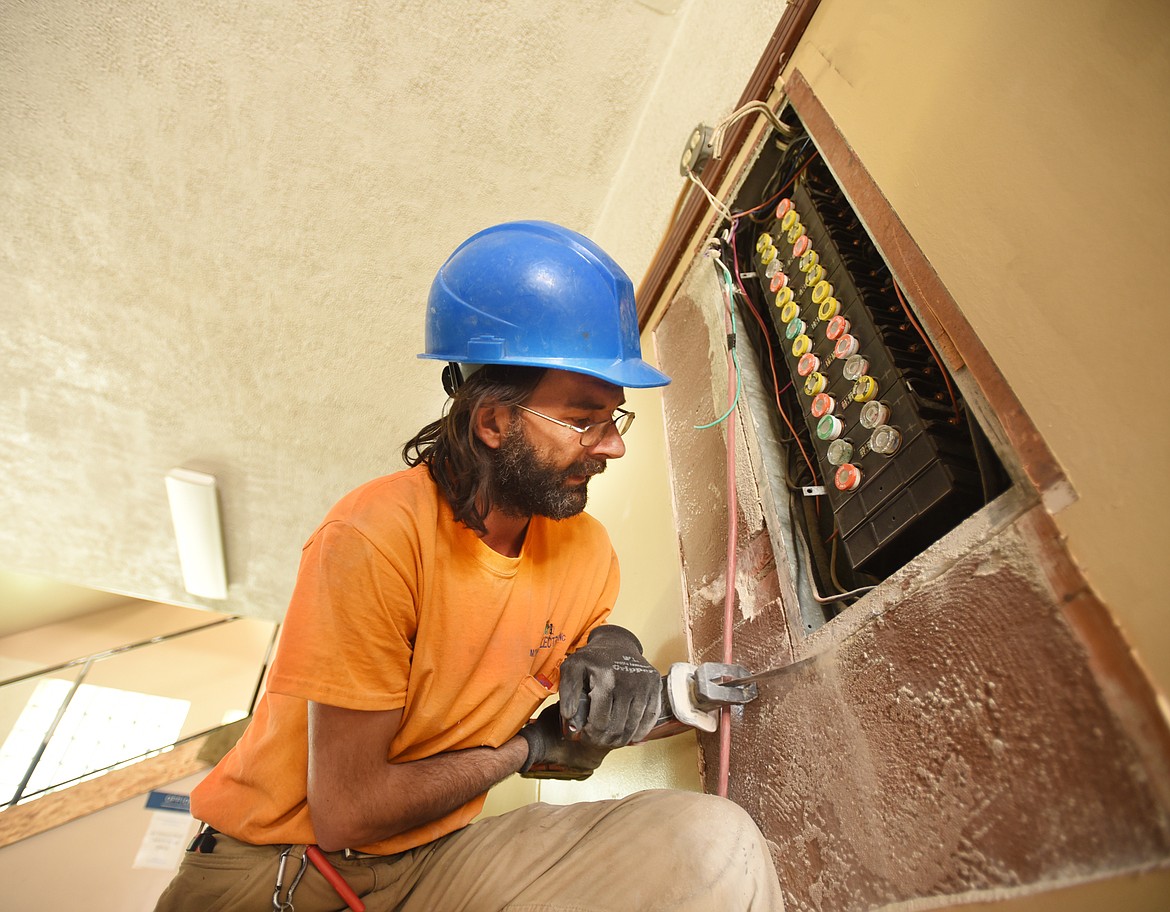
[595, 433]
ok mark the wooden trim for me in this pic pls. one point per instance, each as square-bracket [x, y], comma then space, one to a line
[940, 314]
[57, 808]
[789, 30]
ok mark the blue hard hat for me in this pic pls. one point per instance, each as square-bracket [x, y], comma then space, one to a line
[537, 294]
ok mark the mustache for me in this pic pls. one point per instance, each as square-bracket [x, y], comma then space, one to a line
[586, 467]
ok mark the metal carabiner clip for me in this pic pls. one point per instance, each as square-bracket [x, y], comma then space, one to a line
[286, 905]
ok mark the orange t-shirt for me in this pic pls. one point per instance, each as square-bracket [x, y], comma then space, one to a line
[397, 605]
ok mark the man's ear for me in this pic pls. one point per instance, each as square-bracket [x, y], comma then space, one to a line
[489, 423]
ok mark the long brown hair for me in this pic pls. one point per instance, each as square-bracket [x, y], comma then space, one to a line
[457, 459]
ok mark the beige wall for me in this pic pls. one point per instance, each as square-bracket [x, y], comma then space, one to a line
[89, 863]
[1024, 144]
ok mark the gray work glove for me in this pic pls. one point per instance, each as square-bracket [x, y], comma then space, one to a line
[610, 694]
[551, 755]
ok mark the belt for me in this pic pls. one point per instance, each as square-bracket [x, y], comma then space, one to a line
[204, 844]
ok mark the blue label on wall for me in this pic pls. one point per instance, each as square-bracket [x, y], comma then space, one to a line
[169, 801]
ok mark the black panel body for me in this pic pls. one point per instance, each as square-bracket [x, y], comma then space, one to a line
[907, 500]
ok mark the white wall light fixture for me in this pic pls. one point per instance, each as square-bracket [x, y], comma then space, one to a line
[195, 512]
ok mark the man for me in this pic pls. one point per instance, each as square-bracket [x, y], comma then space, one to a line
[436, 609]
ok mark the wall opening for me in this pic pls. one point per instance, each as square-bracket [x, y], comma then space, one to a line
[877, 453]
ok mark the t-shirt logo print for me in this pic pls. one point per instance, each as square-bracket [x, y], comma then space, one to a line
[549, 639]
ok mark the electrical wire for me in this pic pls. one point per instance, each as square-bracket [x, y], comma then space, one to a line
[752, 107]
[711, 198]
[768, 203]
[806, 559]
[934, 354]
[719, 131]
[760, 320]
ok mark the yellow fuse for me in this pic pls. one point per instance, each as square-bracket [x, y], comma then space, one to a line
[790, 218]
[783, 296]
[809, 260]
[821, 291]
[864, 389]
[829, 308]
[768, 254]
[789, 311]
[815, 275]
[795, 233]
[765, 240]
[815, 383]
[801, 344]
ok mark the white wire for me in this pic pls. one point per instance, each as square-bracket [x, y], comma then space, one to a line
[751, 107]
[717, 135]
[717, 204]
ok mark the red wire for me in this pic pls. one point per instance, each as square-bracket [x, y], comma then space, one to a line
[732, 546]
[775, 381]
[778, 193]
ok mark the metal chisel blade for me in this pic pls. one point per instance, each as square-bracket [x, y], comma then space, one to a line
[778, 671]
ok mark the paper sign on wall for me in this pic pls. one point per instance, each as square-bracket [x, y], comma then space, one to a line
[168, 832]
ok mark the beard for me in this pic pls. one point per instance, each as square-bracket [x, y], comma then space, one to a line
[525, 484]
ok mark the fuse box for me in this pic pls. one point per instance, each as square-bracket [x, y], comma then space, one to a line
[884, 428]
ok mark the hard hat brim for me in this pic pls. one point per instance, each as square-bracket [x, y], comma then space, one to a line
[630, 373]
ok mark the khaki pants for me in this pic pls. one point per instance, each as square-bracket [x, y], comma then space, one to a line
[658, 850]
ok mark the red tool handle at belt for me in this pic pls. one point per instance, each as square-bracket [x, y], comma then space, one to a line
[344, 890]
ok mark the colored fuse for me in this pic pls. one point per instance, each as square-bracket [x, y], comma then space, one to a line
[830, 427]
[821, 288]
[765, 240]
[789, 312]
[783, 207]
[885, 440]
[829, 308]
[807, 364]
[801, 246]
[848, 477]
[779, 280]
[846, 345]
[767, 255]
[864, 389]
[795, 233]
[800, 345]
[840, 451]
[874, 413]
[815, 383]
[855, 366]
[837, 327]
[808, 260]
[795, 328]
[814, 277]
[789, 219]
[822, 404]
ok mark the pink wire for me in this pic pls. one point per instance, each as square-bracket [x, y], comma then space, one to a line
[732, 543]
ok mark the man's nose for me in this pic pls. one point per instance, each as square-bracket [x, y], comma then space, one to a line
[611, 445]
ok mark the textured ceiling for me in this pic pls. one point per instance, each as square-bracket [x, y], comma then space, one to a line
[219, 222]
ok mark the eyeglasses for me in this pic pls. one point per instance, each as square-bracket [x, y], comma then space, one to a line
[592, 434]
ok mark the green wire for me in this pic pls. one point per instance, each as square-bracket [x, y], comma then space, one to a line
[734, 354]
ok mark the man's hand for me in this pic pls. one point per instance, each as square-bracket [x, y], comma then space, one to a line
[551, 755]
[609, 692]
